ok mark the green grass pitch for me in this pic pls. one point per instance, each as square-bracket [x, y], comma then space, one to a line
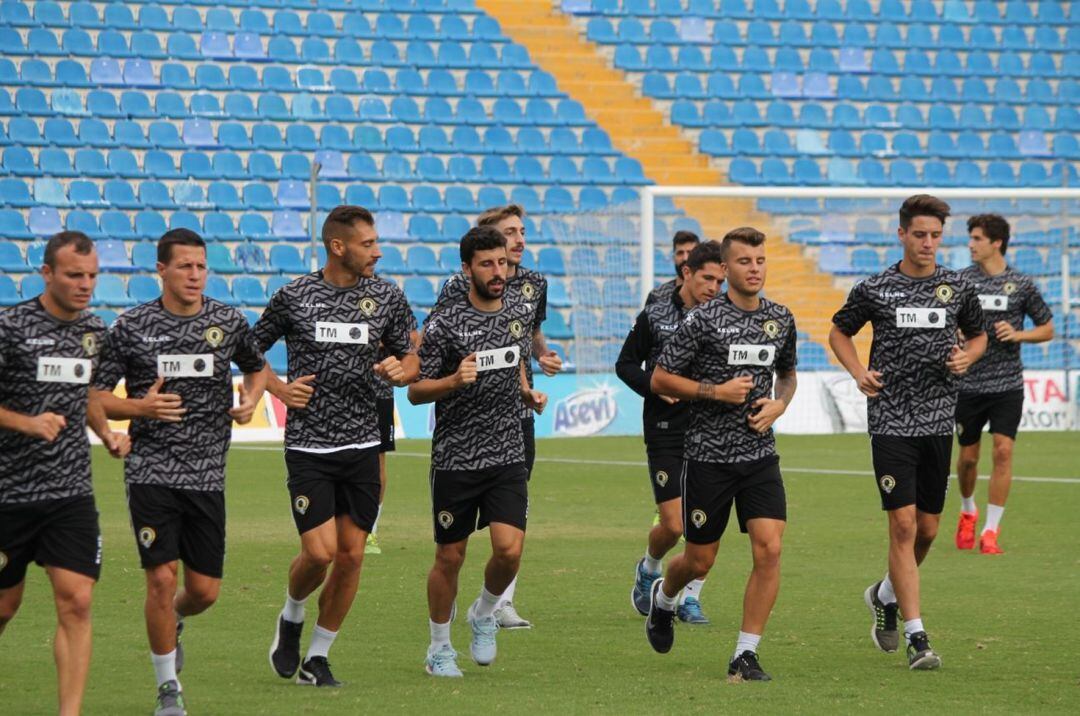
[1006, 626]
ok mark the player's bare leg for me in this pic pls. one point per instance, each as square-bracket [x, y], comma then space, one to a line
[766, 536]
[1000, 483]
[72, 593]
[340, 590]
[10, 599]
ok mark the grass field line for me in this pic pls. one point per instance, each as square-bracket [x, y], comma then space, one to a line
[642, 463]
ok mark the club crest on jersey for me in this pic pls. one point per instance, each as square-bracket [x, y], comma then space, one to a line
[1009, 288]
[887, 482]
[301, 504]
[516, 329]
[771, 328]
[698, 517]
[214, 336]
[661, 478]
[147, 535]
[445, 519]
[89, 344]
[944, 293]
[528, 290]
[368, 305]
[3, 561]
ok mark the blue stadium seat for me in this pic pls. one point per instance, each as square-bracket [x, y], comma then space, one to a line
[419, 291]
[110, 291]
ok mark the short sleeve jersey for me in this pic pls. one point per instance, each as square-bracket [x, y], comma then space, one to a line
[383, 390]
[525, 286]
[718, 341]
[334, 334]
[46, 365]
[193, 354]
[915, 324]
[478, 426]
[662, 293]
[664, 423]
[1008, 296]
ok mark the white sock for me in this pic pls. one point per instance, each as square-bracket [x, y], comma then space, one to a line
[321, 641]
[164, 667]
[485, 605]
[746, 642]
[440, 634]
[508, 595]
[912, 626]
[294, 609]
[993, 517]
[375, 525]
[693, 589]
[885, 592]
[666, 602]
[967, 504]
[653, 565]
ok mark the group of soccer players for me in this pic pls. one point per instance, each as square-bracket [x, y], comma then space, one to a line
[349, 336]
[717, 369]
[713, 358]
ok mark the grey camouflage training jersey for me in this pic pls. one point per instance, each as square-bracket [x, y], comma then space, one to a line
[718, 341]
[46, 365]
[478, 426]
[1008, 296]
[334, 333]
[915, 322]
[193, 354]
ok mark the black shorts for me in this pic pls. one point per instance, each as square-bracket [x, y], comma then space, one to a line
[528, 432]
[463, 501]
[912, 471]
[384, 410]
[326, 485]
[185, 525]
[710, 488]
[1002, 410]
[54, 533]
[665, 476]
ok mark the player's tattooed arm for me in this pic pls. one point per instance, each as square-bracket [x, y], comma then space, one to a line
[676, 386]
[767, 410]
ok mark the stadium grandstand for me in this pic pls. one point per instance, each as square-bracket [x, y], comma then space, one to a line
[122, 120]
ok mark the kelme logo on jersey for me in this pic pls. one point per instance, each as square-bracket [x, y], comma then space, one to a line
[147, 535]
[887, 482]
[368, 306]
[698, 518]
[586, 412]
[771, 328]
[944, 293]
[214, 336]
[1009, 288]
[516, 329]
[301, 503]
[89, 344]
[661, 478]
[445, 519]
[528, 290]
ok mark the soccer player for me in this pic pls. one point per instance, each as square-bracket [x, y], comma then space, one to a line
[993, 389]
[333, 321]
[472, 366]
[915, 308]
[48, 352]
[174, 355]
[384, 407]
[526, 285]
[665, 420]
[723, 358]
[681, 245]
